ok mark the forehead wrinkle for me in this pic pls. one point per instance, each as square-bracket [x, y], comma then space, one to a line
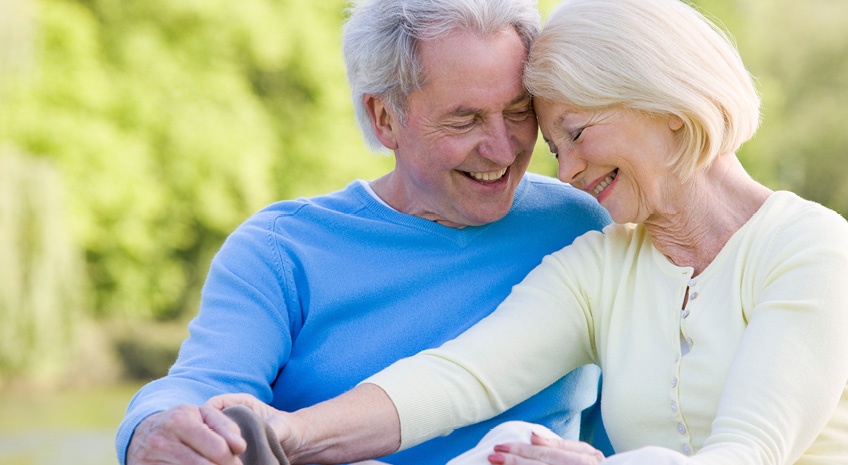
[463, 110]
[521, 99]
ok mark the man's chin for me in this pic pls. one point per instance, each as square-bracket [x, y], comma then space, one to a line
[487, 214]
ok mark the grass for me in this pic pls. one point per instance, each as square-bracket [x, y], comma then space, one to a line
[70, 427]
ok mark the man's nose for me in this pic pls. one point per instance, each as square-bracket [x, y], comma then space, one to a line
[498, 144]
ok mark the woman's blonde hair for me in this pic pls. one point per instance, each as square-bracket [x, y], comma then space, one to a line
[661, 57]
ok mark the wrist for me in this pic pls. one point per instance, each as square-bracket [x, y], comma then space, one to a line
[293, 435]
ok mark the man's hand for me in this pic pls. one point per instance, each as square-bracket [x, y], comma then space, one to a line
[285, 426]
[186, 435]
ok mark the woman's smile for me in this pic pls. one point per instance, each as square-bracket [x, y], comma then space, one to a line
[602, 187]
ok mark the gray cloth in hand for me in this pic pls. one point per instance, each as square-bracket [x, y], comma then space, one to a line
[262, 445]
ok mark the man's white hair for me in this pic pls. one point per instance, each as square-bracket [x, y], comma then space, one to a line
[380, 43]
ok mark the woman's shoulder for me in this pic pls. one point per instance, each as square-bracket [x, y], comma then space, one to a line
[794, 236]
[613, 243]
[795, 218]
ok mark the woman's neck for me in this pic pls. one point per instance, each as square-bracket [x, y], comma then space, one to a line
[703, 214]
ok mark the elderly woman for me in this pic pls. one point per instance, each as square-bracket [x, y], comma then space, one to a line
[713, 306]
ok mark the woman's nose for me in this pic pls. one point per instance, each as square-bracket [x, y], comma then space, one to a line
[569, 168]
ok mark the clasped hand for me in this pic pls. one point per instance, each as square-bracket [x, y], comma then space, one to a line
[191, 435]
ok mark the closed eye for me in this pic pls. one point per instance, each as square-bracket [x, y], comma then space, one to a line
[520, 115]
[464, 124]
[577, 134]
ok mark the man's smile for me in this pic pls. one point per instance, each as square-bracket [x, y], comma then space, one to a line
[486, 175]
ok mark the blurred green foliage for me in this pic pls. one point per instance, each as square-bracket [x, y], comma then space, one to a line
[159, 126]
[171, 122]
[42, 291]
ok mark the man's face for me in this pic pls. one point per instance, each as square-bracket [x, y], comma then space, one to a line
[469, 131]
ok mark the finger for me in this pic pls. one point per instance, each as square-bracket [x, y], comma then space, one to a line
[565, 444]
[265, 411]
[160, 453]
[527, 454]
[228, 400]
[190, 429]
[228, 429]
[154, 442]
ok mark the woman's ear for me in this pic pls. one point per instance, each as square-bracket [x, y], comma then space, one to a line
[383, 121]
[675, 122]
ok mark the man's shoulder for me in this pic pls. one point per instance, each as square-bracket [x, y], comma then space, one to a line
[288, 224]
[302, 217]
[546, 193]
[536, 178]
[345, 200]
[545, 186]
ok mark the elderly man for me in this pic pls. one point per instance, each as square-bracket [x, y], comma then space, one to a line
[309, 297]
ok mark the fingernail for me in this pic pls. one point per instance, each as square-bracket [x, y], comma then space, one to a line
[502, 448]
[497, 459]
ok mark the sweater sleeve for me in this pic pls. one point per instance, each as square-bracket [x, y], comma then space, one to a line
[542, 331]
[792, 365]
[240, 338]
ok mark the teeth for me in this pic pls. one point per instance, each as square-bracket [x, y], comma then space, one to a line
[488, 176]
[603, 184]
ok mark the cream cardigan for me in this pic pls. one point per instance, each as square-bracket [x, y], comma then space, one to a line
[763, 383]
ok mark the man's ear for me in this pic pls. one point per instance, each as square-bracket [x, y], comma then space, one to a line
[383, 121]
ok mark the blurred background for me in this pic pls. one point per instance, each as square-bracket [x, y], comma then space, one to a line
[135, 135]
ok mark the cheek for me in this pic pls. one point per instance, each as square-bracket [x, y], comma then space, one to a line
[526, 133]
[449, 152]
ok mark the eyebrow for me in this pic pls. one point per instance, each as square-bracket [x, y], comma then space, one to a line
[559, 121]
[462, 110]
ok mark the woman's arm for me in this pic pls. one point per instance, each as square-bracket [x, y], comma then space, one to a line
[543, 330]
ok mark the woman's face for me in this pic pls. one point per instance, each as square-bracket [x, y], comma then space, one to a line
[621, 157]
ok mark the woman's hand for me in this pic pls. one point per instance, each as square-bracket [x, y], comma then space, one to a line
[548, 451]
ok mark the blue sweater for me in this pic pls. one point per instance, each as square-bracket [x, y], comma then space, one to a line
[309, 297]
